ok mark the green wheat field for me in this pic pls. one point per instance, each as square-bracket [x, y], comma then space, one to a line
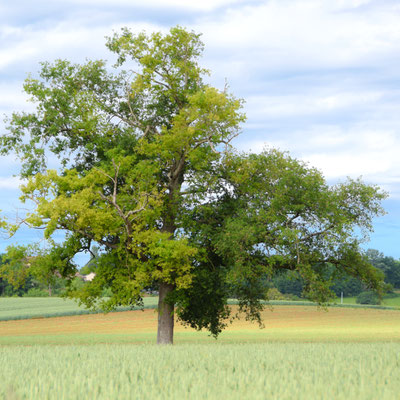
[302, 353]
[202, 371]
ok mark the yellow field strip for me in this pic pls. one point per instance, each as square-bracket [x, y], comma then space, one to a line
[283, 323]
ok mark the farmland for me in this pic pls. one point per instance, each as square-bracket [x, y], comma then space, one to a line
[232, 371]
[284, 323]
[13, 308]
[303, 352]
[387, 301]
[27, 307]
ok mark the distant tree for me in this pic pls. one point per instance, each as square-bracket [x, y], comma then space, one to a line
[15, 266]
[388, 265]
[349, 286]
[368, 297]
[3, 282]
[289, 282]
[148, 174]
[27, 267]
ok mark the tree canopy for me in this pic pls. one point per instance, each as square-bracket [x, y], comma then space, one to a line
[388, 265]
[147, 172]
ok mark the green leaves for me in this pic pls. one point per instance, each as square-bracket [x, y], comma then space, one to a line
[147, 173]
[15, 266]
[275, 213]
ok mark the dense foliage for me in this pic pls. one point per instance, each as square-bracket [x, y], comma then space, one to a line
[291, 283]
[368, 297]
[148, 174]
[388, 265]
[20, 276]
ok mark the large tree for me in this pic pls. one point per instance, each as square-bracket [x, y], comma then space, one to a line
[148, 174]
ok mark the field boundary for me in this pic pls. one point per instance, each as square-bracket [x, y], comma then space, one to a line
[272, 303]
[312, 304]
[74, 312]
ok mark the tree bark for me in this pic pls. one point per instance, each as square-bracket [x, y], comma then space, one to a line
[165, 330]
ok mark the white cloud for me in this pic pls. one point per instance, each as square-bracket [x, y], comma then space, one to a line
[204, 5]
[12, 96]
[10, 183]
[349, 164]
[42, 44]
[261, 107]
[282, 35]
[73, 40]
[357, 152]
[341, 152]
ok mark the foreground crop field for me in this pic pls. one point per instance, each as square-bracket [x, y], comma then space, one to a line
[284, 323]
[303, 353]
[202, 371]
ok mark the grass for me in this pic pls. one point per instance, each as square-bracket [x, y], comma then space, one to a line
[283, 371]
[386, 302]
[45, 307]
[393, 302]
[303, 353]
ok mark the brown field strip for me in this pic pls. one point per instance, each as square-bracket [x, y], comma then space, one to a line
[283, 323]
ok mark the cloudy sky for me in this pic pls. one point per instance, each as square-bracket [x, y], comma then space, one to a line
[320, 78]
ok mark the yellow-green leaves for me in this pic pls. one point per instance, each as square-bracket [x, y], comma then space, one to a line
[173, 260]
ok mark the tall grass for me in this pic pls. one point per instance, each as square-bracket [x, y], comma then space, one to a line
[232, 371]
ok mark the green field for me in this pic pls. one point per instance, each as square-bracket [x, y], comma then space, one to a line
[394, 302]
[304, 352]
[389, 302]
[232, 371]
[35, 307]
[12, 308]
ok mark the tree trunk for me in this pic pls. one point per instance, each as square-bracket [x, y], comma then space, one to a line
[165, 331]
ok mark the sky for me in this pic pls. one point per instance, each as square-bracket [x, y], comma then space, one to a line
[320, 78]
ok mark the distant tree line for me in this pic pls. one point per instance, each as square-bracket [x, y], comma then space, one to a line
[19, 276]
[17, 280]
[289, 283]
